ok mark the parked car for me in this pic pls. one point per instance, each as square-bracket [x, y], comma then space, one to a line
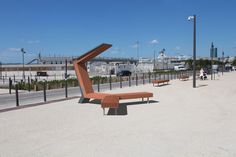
[179, 68]
[42, 73]
[123, 73]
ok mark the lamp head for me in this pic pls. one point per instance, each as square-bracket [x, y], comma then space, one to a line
[190, 18]
[22, 50]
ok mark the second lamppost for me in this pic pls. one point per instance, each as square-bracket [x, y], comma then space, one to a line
[23, 63]
[193, 18]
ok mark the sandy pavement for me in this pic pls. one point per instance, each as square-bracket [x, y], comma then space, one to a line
[183, 122]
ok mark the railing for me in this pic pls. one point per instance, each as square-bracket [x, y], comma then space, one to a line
[99, 84]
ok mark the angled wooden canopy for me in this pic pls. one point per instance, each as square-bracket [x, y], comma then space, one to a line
[93, 53]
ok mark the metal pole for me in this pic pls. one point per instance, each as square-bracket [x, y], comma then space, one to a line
[110, 82]
[194, 51]
[136, 79]
[0, 70]
[23, 62]
[129, 81]
[66, 88]
[143, 79]
[66, 85]
[44, 91]
[154, 60]
[120, 82]
[28, 83]
[98, 84]
[17, 95]
[137, 49]
[149, 77]
[10, 85]
[223, 62]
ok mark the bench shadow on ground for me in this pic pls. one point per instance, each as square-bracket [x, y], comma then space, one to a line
[201, 85]
[162, 85]
[122, 110]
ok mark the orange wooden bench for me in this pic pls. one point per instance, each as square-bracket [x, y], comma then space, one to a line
[159, 81]
[184, 77]
[107, 100]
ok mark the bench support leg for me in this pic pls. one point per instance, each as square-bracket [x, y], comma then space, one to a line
[83, 100]
[103, 111]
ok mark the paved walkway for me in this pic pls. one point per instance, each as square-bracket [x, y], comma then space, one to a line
[184, 122]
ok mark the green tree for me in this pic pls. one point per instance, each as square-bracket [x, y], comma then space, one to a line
[234, 62]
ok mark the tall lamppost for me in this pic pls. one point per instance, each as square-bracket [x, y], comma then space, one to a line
[212, 55]
[223, 53]
[137, 46]
[163, 58]
[194, 19]
[23, 62]
[0, 70]
[154, 60]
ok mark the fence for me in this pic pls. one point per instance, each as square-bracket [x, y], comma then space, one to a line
[99, 84]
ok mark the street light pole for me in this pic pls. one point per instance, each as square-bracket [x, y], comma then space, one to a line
[223, 62]
[137, 46]
[23, 62]
[0, 70]
[194, 18]
[154, 60]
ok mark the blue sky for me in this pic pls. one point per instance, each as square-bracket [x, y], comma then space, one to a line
[72, 27]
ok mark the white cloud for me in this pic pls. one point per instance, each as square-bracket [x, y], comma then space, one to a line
[154, 41]
[177, 48]
[33, 41]
[135, 45]
[13, 49]
[115, 51]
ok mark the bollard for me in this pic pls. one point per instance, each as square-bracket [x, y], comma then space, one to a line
[28, 83]
[110, 82]
[120, 82]
[129, 81]
[17, 95]
[10, 85]
[136, 79]
[98, 84]
[44, 91]
[66, 88]
[149, 77]
[143, 79]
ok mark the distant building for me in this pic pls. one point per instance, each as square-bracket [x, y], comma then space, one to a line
[213, 51]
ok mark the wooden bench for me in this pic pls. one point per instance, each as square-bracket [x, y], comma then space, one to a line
[108, 100]
[184, 77]
[160, 81]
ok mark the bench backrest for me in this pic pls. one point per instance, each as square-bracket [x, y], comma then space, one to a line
[81, 69]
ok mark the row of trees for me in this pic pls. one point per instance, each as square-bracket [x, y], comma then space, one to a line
[205, 63]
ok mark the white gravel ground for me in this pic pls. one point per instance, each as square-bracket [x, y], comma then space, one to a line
[184, 122]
